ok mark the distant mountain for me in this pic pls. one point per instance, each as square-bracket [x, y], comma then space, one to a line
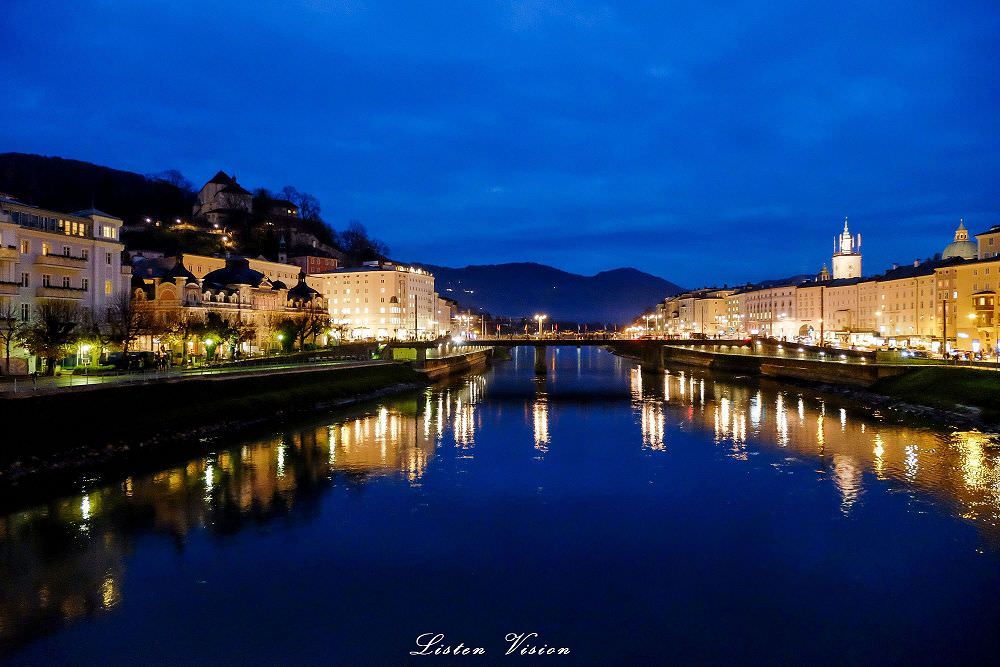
[71, 185]
[523, 289]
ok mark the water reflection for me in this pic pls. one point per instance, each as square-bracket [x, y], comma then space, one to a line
[963, 468]
[65, 560]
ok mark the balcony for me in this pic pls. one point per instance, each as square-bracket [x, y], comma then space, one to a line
[61, 261]
[53, 292]
[9, 254]
[9, 288]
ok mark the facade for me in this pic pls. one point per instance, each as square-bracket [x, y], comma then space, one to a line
[315, 264]
[988, 243]
[178, 300]
[47, 256]
[697, 313]
[919, 305]
[380, 300]
[202, 265]
[445, 312]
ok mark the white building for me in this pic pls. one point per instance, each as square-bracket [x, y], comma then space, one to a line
[380, 301]
[846, 255]
[49, 256]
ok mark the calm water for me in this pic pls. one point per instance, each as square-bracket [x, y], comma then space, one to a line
[631, 518]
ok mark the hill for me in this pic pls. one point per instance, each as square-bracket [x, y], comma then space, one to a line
[523, 289]
[71, 185]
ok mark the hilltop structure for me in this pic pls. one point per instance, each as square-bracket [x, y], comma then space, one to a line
[221, 198]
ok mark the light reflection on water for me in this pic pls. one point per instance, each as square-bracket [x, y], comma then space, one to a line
[961, 467]
[67, 560]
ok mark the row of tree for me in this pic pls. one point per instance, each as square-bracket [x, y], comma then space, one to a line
[56, 327]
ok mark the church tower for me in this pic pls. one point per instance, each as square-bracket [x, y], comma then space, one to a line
[846, 255]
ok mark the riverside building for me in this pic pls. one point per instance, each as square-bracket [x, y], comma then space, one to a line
[950, 300]
[381, 300]
[47, 256]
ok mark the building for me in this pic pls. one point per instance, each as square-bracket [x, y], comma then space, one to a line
[846, 255]
[47, 256]
[961, 246]
[988, 243]
[701, 312]
[221, 199]
[255, 306]
[315, 264]
[380, 300]
[202, 265]
[444, 314]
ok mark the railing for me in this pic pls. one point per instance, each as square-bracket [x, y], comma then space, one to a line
[56, 292]
[63, 261]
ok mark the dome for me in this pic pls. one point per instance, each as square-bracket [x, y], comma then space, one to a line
[965, 249]
[961, 246]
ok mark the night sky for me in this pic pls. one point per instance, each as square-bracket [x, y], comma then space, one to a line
[703, 142]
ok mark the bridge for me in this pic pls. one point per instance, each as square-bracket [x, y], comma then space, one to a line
[649, 351]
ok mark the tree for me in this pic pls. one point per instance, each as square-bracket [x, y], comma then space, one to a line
[315, 322]
[290, 330]
[52, 331]
[127, 320]
[182, 326]
[356, 243]
[174, 178]
[12, 331]
[309, 207]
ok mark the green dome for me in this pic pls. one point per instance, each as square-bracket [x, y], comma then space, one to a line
[966, 249]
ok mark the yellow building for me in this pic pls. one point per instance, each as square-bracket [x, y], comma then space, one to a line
[975, 305]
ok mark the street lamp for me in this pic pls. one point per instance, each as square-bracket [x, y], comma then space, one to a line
[208, 347]
[540, 318]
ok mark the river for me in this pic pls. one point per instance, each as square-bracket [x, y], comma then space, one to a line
[631, 518]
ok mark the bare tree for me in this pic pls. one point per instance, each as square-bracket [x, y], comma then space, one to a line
[127, 320]
[315, 322]
[12, 330]
[309, 208]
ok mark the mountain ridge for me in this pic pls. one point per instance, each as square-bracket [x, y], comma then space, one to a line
[610, 296]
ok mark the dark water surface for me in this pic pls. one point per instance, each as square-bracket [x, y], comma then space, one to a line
[632, 518]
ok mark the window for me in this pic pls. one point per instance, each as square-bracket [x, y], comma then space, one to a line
[107, 257]
[45, 248]
[107, 287]
[25, 247]
[65, 251]
[25, 312]
[65, 282]
[85, 284]
[46, 280]
[25, 280]
[85, 254]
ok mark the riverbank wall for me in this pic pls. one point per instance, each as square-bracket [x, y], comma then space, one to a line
[113, 428]
[470, 362]
[831, 371]
[100, 428]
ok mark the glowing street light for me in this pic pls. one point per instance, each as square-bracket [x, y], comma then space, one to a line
[540, 318]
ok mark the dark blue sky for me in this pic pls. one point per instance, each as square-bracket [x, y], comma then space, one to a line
[699, 141]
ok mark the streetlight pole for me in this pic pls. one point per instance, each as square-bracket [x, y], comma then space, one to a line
[944, 327]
